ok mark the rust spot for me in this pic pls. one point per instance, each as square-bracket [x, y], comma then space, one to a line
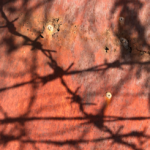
[108, 97]
[50, 28]
[121, 20]
[141, 53]
[124, 43]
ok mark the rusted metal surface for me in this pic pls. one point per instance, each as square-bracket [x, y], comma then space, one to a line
[74, 74]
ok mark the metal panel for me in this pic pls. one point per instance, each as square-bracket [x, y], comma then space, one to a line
[74, 74]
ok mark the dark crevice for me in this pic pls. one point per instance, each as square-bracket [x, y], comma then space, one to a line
[106, 49]
[41, 36]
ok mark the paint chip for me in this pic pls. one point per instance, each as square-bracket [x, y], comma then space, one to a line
[50, 28]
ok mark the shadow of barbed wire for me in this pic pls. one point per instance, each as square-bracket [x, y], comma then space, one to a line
[98, 120]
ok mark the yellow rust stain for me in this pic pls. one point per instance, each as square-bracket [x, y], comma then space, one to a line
[108, 99]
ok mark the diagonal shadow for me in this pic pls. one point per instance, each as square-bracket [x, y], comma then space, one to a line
[97, 120]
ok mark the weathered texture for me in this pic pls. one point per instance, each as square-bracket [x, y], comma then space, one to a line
[53, 83]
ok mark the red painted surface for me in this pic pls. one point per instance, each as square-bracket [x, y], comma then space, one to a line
[52, 89]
